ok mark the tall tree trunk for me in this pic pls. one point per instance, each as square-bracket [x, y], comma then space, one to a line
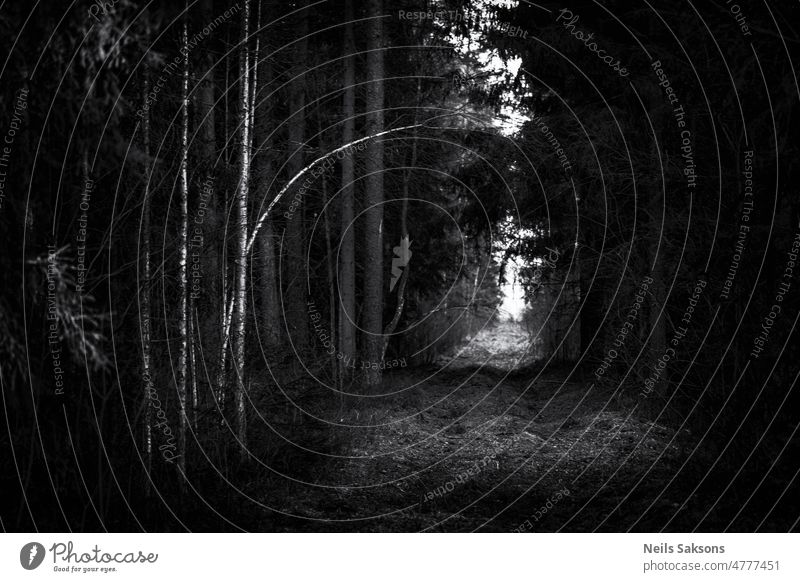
[329, 262]
[296, 291]
[402, 252]
[208, 302]
[270, 308]
[373, 260]
[592, 294]
[226, 296]
[144, 292]
[240, 305]
[347, 269]
[656, 256]
[183, 242]
[270, 298]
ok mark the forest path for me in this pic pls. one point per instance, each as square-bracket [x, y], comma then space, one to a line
[484, 441]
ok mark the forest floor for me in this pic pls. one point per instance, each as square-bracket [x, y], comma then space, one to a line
[485, 441]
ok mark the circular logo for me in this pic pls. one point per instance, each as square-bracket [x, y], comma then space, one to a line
[31, 555]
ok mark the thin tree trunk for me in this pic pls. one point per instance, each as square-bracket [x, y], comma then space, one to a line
[373, 260]
[240, 307]
[296, 292]
[270, 299]
[226, 297]
[270, 308]
[329, 263]
[144, 292]
[183, 242]
[656, 259]
[254, 83]
[210, 247]
[347, 270]
[404, 237]
[262, 219]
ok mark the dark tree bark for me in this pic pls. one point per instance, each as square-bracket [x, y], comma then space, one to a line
[144, 293]
[296, 291]
[373, 259]
[347, 267]
[269, 294]
[210, 302]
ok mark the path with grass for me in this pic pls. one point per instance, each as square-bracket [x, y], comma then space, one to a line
[488, 441]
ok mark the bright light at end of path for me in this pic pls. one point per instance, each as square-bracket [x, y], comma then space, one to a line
[513, 303]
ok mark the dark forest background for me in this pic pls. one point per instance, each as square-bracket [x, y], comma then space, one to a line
[208, 303]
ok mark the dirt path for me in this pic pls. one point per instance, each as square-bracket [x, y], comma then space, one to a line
[476, 444]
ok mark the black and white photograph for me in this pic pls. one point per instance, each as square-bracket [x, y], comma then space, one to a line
[400, 267]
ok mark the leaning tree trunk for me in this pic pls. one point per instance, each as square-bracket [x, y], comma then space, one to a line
[373, 260]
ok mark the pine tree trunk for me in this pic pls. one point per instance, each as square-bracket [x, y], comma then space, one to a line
[329, 262]
[403, 282]
[270, 308]
[347, 269]
[373, 260]
[208, 303]
[270, 300]
[296, 290]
